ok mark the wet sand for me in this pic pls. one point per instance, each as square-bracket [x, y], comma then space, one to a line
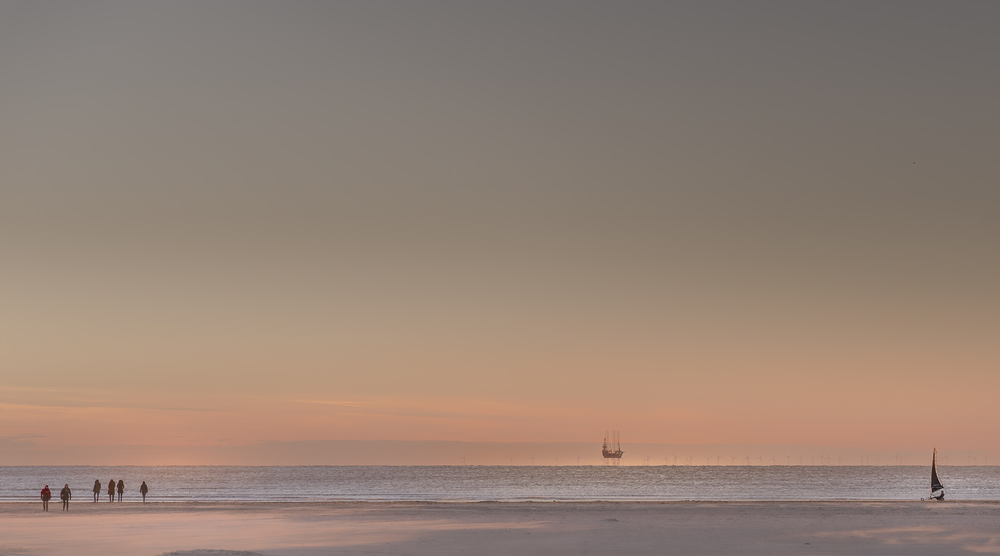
[597, 528]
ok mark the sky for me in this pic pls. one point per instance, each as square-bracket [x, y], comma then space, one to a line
[235, 228]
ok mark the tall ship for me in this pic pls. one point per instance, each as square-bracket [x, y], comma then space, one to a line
[612, 448]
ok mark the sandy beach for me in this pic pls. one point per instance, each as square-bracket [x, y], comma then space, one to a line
[746, 528]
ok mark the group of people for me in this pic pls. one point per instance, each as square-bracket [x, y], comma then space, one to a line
[66, 494]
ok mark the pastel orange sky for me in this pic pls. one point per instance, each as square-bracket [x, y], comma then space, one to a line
[228, 225]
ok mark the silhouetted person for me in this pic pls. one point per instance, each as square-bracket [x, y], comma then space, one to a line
[46, 496]
[97, 490]
[143, 490]
[65, 495]
[111, 491]
[121, 489]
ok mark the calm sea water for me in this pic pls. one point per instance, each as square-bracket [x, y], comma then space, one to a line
[502, 483]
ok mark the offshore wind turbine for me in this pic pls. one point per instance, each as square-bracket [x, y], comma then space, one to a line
[788, 459]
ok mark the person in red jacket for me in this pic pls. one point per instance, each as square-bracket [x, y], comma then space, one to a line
[46, 496]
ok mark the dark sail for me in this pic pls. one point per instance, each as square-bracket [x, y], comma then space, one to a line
[935, 482]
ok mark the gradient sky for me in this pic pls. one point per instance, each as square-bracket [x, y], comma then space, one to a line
[236, 223]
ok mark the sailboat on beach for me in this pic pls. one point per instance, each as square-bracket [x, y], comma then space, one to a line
[937, 489]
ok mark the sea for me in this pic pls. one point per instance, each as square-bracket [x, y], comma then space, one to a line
[505, 483]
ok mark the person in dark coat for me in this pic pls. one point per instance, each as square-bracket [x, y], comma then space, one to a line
[143, 490]
[46, 496]
[65, 495]
[121, 489]
[97, 490]
[111, 490]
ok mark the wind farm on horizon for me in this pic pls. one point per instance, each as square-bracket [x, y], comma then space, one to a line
[646, 455]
